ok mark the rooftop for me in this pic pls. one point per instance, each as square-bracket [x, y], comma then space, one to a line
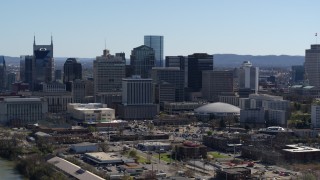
[22, 99]
[84, 144]
[101, 156]
[235, 170]
[296, 148]
[72, 169]
[218, 107]
[156, 143]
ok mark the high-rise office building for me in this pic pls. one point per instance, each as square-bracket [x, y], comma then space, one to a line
[26, 70]
[58, 75]
[137, 90]
[197, 63]
[108, 71]
[137, 99]
[171, 75]
[156, 43]
[11, 79]
[72, 70]
[312, 64]
[78, 91]
[297, 74]
[214, 83]
[43, 63]
[142, 60]
[22, 68]
[3, 74]
[248, 77]
[122, 55]
[180, 62]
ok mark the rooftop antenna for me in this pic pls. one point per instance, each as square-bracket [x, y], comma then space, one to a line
[34, 38]
[105, 43]
[51, 39]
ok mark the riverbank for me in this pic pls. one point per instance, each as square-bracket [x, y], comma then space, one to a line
[8, 171]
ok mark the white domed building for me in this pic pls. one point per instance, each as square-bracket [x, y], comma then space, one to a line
[216, 110]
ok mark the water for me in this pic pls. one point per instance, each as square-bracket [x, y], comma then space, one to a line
[7, 171]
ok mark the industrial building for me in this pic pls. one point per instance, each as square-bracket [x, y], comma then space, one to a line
[84, 147]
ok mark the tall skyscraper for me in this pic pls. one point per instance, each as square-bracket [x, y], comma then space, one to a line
[26, 74]
[11, 79]
[58, 75]
[108, 71]
[137, 99]
[78, 91]
[44, 64]
[312, 65]
[22, 68]
[137, 91]
[72, 70]
[156, 43]
[214, 83]
[142, 60]
[171, 75]
[249, 77]
[3, 74]
[297, 74]
[180, 62]
[197, 63]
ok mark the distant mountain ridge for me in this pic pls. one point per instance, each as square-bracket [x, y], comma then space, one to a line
[234, 60]
[220, 60]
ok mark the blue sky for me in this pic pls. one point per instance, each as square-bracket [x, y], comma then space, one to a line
[79, 27]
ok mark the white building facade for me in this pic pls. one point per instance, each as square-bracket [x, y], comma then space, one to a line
[315, 116]
[22, 111]
[91, 112]
[249, 76]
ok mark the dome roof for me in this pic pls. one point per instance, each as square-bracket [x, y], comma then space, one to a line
[217, 108]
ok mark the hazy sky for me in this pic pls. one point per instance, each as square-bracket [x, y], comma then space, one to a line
[79, 27]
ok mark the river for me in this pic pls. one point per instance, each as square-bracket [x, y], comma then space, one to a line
[7, 171]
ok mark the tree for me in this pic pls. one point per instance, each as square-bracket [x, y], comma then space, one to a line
[209, 133]
[92, 129]
[150, 127]
[133, 154]
[222, 123]
[104, 146]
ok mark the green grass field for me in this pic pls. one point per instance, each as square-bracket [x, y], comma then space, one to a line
[163, 156]
[216, 155]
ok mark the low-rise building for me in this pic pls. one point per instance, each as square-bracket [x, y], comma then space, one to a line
[154, 146]
[236, 173]
[221, 143]
[72, 170]
[131, 168]
[253, 117]
[22, 111]
[190, 150]
[102, 158]
[299, 153]
[91, 112]
[84, 147]
[178, 107]
[138, 112]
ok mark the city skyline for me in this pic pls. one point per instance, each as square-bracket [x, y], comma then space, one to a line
[80, 28]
